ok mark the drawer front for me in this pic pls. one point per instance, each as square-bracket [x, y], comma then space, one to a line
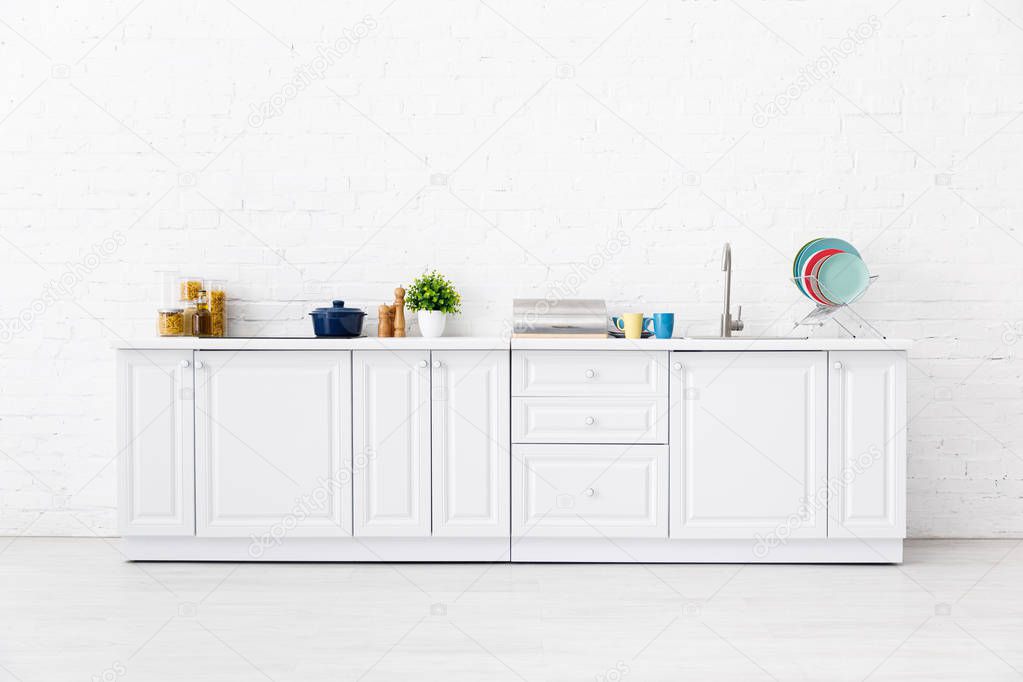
[590, 420]
[606, 373]
[590, 491]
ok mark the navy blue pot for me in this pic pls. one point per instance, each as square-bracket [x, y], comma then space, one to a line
[338, 321]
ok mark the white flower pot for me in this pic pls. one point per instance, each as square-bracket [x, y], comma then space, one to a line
[431, 322]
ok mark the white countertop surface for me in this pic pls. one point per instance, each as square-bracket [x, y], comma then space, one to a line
[738, 343]
[314, 343]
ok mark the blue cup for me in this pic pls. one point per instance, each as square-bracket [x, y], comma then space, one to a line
[664, 325]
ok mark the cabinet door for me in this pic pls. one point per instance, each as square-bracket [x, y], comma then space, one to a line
[392, 443]
[748, 444]
[590, 491]
[867, 444]
[471, 456]
[273, 455]
[154, 442]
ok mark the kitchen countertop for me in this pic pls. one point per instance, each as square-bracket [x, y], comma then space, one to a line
[314, 343]
[738, 343]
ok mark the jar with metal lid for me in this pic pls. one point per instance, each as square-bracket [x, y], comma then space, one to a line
[170, 322]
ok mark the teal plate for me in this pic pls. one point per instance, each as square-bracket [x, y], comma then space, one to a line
[812, 247]
[795, 266]
[843, 278]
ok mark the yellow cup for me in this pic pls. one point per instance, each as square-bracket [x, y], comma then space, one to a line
[633, 323]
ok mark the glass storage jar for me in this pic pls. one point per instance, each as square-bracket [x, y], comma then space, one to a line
[170, 322]
[217, 295]
[188, 293]
[189, 288]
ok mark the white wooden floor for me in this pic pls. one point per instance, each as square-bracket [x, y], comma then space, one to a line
[72, 609]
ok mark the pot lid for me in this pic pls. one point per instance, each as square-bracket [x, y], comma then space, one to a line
[338, 306]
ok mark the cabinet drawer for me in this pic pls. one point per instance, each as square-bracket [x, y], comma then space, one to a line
[590, 420]
[590, 491]
[609, 373]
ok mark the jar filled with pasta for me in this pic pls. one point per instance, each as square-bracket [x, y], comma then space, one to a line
[217, 295]
[188, 293]
[170, 322]
[189, 288]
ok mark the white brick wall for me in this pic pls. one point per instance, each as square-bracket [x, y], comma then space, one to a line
[504, 143]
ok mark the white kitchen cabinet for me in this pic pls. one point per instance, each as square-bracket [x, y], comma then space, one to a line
[391, 391]
[471, 456]
[593, 419]
[590, 491]
[867, 444]
[589, 373]
[154, 442]
[749, 444]
[273, 444]
[462, 449]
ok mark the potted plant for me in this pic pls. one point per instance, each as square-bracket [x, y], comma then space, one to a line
[432, 297]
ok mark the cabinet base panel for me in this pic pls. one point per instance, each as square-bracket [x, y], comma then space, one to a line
[150, 548]
[636, 550]
[520, 550]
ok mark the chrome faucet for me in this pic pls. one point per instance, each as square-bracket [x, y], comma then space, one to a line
[728, 325]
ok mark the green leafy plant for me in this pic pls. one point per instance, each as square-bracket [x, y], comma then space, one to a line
[433, 291]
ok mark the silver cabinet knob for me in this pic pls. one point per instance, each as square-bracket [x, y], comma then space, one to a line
[677, 366]
[198, 364]
[185, 364]
[590, 374]
[423, 363]
[837, 365]
[436, 364]
[590, 420]
[589, 492]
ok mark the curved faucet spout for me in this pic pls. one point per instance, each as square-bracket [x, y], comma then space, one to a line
[728, 325]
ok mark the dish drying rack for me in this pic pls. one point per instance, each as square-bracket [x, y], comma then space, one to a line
[844, 315]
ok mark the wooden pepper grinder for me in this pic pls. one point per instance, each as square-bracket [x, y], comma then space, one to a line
[385, 327]
[399, 312]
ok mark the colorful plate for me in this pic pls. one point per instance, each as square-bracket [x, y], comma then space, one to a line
[795, 265]
[795, 261]
[842, 278]
[810, 274]
[807, 252]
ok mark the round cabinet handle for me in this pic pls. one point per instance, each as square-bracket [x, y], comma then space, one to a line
[198, 364]
[590, 374]
[837, 365]
[677, 366]
[423, 363]
[436, 364]
[589, 421]
[185, 364]
[589, 492]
